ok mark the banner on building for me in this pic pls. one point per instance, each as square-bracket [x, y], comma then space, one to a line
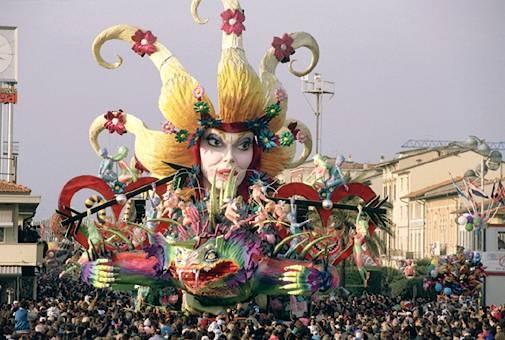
[494, 261]
[8, 95]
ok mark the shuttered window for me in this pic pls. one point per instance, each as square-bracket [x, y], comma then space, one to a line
[6, 218]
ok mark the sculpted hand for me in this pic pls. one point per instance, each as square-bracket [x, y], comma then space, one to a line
[300, 280]
[100, 273]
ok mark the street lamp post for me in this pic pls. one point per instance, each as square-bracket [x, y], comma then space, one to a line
[319, 88]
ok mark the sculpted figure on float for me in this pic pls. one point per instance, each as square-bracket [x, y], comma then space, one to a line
[213, 231]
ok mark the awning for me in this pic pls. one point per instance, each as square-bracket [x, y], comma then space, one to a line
[10, 270]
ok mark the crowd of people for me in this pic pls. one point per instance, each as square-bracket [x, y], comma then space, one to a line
[69, 309]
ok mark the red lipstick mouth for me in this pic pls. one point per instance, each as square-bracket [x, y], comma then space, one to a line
[225, 173]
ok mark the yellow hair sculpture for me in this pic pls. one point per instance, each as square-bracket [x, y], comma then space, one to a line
[242, 96]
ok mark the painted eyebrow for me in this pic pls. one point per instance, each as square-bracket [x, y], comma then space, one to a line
[214, 135]
[222, 134]
[217, 133]
[245, 139]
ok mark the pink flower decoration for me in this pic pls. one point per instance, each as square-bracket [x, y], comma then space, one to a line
[233, 21]
[280, 95]
[115, 122]
[283, 48]
[199, 92]
[144, 43]
[168, 127]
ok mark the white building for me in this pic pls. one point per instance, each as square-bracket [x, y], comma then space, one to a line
[20, 252]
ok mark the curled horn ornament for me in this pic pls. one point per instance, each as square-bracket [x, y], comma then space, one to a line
[232, 4]
[94, 131]
[229, 41]
[132, 123]
[269, 62]
[163, 59]
[194, 12]
[307, 143]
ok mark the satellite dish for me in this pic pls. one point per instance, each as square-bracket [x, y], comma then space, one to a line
[484, 149]
[472, 142]
[495, 156]
[494, 160]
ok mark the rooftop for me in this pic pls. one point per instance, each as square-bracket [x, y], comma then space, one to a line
[440, 189]
[13, 188]
[426, 190]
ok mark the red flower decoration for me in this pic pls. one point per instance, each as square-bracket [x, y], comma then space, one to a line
[115, 122]
[144, 43]
[297, 133]
[283, 48]
[233, 21]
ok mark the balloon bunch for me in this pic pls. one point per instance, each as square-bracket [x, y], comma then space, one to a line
[474, 197]
[472, 222]
[459, 274]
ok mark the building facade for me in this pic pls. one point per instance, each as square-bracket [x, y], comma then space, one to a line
[423, 198]
[412, 175]
[21, 251]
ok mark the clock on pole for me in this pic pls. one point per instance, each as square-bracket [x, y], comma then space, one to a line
[8, 97]
[8, 55]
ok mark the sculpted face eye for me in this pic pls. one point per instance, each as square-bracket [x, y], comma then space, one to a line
[211, 256]
[214, 140]
[245, 144]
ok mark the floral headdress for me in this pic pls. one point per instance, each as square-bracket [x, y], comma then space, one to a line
[259, 126]
[247, 101]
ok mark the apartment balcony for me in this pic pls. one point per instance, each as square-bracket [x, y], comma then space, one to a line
[21, 254]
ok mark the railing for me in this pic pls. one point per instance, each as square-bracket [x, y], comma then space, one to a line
[21, 254]
[4, 168]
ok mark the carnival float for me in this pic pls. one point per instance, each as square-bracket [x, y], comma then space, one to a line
[198, 207]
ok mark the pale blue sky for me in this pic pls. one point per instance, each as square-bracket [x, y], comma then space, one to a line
[402, 69]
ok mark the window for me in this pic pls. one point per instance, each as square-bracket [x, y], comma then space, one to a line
[419, 210]
[501, 240]
[2, 235]
[6, 218]
[419, 245]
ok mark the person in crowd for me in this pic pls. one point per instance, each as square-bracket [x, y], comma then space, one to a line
[22, 325]
[68, 309]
